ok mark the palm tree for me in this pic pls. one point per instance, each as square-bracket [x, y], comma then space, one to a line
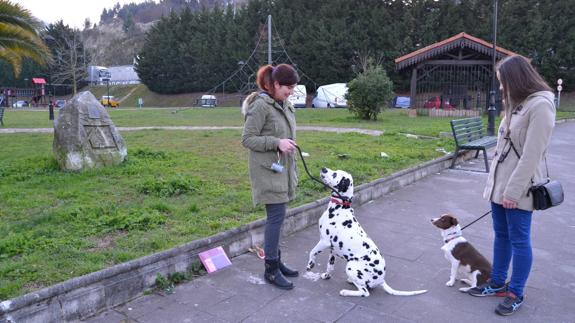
[19, 37]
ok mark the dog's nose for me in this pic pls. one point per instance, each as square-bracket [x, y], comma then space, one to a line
[324, 170]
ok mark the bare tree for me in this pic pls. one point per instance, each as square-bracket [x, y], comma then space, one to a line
[70, 57]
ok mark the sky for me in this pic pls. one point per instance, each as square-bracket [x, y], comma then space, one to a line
[73, 12]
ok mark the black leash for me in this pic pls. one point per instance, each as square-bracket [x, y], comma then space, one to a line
[479, 218]
[343, 198]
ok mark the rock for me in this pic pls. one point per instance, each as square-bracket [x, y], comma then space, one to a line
[85, 137]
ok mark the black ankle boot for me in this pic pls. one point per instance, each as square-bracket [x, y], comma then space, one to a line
[288, 272]
[275, 276]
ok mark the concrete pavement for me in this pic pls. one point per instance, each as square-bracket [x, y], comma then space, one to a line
[399, 224]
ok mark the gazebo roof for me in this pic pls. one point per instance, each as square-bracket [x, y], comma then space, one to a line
[446, 45]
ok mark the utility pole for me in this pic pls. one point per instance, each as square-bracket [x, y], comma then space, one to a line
[491, 110]
[270, 39]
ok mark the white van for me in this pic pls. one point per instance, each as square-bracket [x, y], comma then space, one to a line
[298, 98]
[330, 96]
[208, 101]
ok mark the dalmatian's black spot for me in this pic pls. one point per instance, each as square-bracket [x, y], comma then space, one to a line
[340, 245]
[337, 207]
[366, 245]
[375, 277]
[371, 264]
[366, 258]
[332, 260]
[343, 185]
[332, 223]
[334, 175]
[331, 215]
[346, 223]
[376, 261]
[380, 272]
[335, 239]
[327, 231]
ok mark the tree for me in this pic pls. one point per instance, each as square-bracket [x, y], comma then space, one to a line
[19, 37]
[70, 59]
[369, 92]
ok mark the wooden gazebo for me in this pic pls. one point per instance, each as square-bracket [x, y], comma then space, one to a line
[453, 74]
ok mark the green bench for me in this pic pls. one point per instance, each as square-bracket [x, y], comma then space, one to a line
[469, 135]
[2, 116]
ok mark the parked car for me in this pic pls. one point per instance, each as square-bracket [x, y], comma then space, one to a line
[109, 101]
[20, 104]
[59, 103]
[435, 103]
[208, 101]
[299, 96]
[402, 102]
[330, 96]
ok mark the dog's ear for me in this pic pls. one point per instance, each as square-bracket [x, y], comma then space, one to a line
[343, 185]
[453, 220]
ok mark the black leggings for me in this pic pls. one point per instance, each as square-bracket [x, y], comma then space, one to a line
[275, 218]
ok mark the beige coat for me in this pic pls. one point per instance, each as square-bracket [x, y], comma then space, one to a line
[530, 127]
[266, 122]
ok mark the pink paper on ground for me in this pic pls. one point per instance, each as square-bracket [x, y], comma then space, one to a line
[214, 259]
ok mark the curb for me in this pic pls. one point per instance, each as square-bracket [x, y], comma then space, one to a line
[85, 296]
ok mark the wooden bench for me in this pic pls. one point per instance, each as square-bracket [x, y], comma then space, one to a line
[469, 135]
[2, 116]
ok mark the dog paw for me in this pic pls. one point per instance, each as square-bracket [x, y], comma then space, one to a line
[464, 289]
[310, 265]
[450, 283]
[466, 281]
[325, 276]
[343, 292]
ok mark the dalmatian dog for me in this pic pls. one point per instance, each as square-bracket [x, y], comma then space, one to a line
[345, 238]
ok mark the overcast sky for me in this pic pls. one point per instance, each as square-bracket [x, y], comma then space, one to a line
[73, 12]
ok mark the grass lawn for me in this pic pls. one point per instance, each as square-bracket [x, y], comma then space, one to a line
[175, 187]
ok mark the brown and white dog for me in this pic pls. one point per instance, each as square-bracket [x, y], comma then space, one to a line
[464, 258]
[344, 237]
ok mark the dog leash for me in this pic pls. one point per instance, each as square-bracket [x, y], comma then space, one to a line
[343, 198]
[479, 218]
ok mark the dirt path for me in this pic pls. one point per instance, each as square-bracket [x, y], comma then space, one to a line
[191, 128]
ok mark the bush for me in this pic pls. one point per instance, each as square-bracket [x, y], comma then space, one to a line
[369, 93]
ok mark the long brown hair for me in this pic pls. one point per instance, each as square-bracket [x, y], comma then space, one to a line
[519, 80]
[284, 74]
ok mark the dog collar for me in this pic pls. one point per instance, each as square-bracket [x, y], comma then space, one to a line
[340, 201]
[455, 233]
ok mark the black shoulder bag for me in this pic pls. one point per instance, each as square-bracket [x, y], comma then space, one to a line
[547, 194]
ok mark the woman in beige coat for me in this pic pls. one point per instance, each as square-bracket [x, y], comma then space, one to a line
[524, 136]
[269, 134]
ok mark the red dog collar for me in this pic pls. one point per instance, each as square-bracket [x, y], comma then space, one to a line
[341, 202]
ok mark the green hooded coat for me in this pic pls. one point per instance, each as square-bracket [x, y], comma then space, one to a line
[266, 122]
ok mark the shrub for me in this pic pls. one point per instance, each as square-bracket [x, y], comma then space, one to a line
[369, 92]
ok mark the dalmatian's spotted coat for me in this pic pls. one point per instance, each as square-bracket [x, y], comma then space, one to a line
[344, 236]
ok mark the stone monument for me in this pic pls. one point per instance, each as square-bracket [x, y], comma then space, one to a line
[85, 137]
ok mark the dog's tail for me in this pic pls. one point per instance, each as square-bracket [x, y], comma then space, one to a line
[392, 291]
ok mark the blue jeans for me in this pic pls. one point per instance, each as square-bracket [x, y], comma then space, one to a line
[512, 228]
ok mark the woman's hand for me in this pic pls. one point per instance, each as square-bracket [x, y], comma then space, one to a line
[286, 145]
[508, 204]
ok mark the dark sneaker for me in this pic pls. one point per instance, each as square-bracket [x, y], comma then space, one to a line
[488, 289]
[510, 305]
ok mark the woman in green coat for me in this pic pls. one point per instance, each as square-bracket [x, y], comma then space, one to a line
[269, 134]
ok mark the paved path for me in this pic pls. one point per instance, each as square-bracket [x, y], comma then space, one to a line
[399, 224]
[304, 128]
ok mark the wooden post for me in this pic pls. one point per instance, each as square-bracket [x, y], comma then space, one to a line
[413, 88]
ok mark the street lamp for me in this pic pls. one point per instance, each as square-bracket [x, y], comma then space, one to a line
[559, 89]
[491, 110]
[107, 80]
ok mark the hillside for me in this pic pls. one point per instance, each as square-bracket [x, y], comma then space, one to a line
[122, 30]
[129, 94]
